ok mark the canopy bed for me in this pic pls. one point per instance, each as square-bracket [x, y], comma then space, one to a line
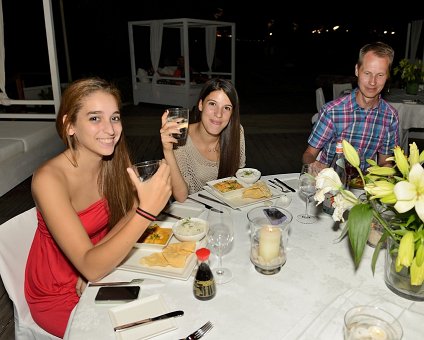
[204, 49]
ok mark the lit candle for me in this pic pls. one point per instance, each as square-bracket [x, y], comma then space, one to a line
[269, 242]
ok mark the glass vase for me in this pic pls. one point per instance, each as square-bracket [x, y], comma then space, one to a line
[400, 282]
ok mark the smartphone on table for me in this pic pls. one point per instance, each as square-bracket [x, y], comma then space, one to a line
[117, 294]
[274, 216]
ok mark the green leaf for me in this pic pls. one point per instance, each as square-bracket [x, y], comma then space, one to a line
[377, 249]
[359, 223]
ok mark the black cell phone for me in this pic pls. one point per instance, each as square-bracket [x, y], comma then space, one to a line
[117, 294]
[274, 215]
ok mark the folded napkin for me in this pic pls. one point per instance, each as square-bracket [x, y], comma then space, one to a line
[174, 255]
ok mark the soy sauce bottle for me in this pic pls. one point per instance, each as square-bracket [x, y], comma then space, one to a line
[204, 287]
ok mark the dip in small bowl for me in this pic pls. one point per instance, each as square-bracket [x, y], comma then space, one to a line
[190, 229]
[248, 175]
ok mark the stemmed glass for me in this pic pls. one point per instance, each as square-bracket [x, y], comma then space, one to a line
[307, 187]
[220, 237]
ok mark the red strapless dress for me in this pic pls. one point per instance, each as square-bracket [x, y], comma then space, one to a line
[50, 278]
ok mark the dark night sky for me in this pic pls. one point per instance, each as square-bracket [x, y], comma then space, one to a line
[98, 35]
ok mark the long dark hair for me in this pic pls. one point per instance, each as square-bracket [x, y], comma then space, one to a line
[229, 140]
[114, 184]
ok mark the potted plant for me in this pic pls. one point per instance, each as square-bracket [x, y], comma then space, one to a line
[411, 73]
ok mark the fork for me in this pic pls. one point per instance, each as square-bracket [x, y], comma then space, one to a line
[200, 332]
[116, 283]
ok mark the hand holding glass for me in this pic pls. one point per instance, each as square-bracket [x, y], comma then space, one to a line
[145, 170]
[181, 116]
[307, 187]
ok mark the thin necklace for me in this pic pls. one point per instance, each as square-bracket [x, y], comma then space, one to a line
[215, 148]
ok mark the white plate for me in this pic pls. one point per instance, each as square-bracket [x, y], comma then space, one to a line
[153, 245]
[184, 210]
[132, 263]
[229, 194]
[239, 202]
[142, 309]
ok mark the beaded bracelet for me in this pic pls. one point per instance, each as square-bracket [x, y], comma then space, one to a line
[145, 214]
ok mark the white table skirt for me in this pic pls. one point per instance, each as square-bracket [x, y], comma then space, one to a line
[307, 299]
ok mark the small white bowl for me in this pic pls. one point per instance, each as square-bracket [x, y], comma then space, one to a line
[248, 175]
[190, 229]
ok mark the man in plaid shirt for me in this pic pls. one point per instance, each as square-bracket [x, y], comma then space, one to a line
[362, 117]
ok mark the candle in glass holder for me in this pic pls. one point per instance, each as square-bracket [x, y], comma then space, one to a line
[269, 242]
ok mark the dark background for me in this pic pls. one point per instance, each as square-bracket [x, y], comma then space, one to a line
[97, 35]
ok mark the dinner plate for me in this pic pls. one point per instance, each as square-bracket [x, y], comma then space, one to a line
[231, 193]
[143, 245]
[237, 201]
[142, 309]
[132, 263]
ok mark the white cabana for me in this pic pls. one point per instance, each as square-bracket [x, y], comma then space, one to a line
[54, 72]
[160, 88]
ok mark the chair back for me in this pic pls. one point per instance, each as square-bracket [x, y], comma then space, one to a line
[16, 237]
[320, 99]
[340, 89]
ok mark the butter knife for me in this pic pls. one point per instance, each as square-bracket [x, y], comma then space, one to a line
[207, 206]
[213, 199]
[287, 186]
[149, 320]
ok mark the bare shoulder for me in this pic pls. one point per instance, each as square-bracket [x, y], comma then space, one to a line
[50, 174]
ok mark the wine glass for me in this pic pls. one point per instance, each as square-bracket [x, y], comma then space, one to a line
[220, 237]
[307, 187]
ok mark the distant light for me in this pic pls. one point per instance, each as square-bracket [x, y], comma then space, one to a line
[335, 28]
[270, 33]
[347, 31]
[393, 32]
[385, 32]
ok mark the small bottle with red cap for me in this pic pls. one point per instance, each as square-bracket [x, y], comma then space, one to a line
[204, 287]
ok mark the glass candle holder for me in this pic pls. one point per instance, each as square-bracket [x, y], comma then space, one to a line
[269, 236]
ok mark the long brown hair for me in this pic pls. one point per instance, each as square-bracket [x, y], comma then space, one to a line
[113, 182]
[229, 140]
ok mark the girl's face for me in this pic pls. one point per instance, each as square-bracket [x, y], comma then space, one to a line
[216, 111]
[98, 126]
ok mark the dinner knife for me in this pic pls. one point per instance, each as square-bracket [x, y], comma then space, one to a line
[207, 206]
[213, 199]
[171, 215]
[149, 320]
[287, 186]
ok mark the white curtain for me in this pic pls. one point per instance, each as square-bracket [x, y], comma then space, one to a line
[210, 37]
[413, 39]
[156, 31]
[3, 94]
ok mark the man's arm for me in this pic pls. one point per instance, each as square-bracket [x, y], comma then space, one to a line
[382, 160]
[310, 156]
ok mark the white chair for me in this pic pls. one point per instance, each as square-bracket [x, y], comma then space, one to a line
[340, 89]
[320, 101]
[15, 241]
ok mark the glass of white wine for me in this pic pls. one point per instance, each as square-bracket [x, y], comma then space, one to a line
[307, 186]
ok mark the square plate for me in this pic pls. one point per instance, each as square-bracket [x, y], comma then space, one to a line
[238, 201]
[141, 309]
[132, 263]
[228, 194]
[165, 225]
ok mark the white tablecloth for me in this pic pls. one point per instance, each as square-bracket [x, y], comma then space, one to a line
[305, 300]
[411, 113]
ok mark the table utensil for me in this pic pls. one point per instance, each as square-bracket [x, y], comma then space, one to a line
[171, 215]
[207, 206]
[213, 199]
[149, 320]
[119, 283]
[278, 186]
[286, 185]
[200, 332]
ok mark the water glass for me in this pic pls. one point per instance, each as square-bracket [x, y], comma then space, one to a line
[372, 323]
[181, 116]
[145, 170]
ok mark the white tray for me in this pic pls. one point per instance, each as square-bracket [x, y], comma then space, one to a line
[142, 309]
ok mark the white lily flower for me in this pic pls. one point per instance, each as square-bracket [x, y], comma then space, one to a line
[410, 194]
[327, 180]
[343, 202]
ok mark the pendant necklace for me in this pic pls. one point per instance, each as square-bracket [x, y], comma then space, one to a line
[215, 148]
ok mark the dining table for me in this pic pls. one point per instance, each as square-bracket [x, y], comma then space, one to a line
[411, 112]
[306, 299]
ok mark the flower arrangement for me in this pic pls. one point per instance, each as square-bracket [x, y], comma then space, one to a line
[410, 72]
[399, 189]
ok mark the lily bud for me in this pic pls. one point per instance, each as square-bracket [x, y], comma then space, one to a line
[406, 250]
[350, 154]
[381, 170]
[417, 273]
[401, 161]
[379, 189]
[414, 156]
[419, 257]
